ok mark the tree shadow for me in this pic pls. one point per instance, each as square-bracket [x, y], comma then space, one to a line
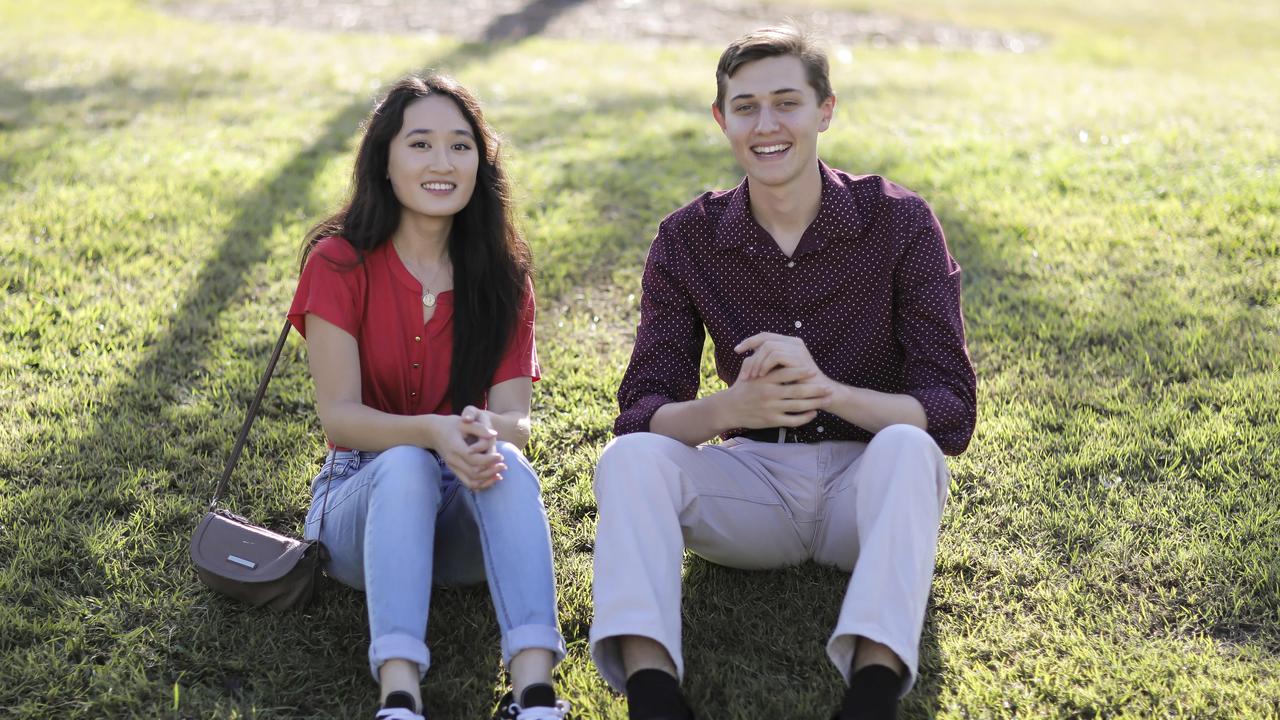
[528, 21]
[99, 475]
[95, 472]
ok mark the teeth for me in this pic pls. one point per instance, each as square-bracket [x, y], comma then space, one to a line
[770, 148]
[437, 186]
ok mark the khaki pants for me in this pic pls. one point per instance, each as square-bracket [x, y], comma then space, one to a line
[870, 508]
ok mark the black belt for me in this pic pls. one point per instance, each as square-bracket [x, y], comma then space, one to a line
[773, 435]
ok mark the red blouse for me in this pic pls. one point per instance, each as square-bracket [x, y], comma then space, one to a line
[404, 364]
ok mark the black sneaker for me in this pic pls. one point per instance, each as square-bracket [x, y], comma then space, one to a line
[398, 706]
[535, 698]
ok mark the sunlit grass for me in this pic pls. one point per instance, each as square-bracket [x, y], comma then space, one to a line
[1112, 542]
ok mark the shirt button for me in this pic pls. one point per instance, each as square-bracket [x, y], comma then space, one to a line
[791, 263]
[417, 338]
[417, 365]
[413, 394]
[821, 429]
[797, 324]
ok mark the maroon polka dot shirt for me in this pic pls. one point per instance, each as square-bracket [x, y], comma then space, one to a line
[871, 289]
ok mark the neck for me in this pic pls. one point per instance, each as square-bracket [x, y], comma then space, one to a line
[422, 240]
[787, 209]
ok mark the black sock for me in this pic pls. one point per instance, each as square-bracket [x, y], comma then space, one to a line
[655, 693]
[538, 695]
[872, 694]
[400, 699]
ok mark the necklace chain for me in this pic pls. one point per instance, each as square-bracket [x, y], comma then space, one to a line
[429, 297]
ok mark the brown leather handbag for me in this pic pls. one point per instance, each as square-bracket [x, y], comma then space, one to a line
[250, 563]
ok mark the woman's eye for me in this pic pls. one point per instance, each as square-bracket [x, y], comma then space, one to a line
[461, 147]
[419, 144]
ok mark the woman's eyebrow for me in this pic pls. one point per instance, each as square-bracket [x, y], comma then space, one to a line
[428, 131]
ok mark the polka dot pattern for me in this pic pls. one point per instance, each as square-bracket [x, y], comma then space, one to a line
[871, 289]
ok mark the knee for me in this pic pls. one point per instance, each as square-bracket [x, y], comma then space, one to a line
[519, 472]
[628, 456]
[904, 437]
[512, 456]
[911, 459]
[407, 471]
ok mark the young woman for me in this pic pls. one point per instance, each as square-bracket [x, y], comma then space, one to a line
[417, 308]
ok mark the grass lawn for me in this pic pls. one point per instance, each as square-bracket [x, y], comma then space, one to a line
[1112, 543]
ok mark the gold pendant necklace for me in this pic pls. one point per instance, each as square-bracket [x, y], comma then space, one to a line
[428, 297]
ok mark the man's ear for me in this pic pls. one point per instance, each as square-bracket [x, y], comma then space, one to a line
[719, 116]
[827, 109]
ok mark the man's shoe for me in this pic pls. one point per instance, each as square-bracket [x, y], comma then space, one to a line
[398, 706]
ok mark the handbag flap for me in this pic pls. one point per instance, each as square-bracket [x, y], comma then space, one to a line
[242, 552]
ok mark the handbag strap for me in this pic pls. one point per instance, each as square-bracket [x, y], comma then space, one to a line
[248, 423]
[248, 419]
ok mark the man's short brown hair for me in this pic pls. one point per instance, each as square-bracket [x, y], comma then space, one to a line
[774, 42]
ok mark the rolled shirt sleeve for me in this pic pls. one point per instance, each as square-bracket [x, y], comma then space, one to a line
[664, 365]
[930, 329]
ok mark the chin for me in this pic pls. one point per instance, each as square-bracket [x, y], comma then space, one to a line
[772, 176]
[439, 211]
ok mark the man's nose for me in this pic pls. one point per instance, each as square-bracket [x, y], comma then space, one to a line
[766, 121]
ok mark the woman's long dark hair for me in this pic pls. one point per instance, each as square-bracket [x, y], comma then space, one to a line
[491, 261]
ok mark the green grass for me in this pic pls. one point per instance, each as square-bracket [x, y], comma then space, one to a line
[1112, 543]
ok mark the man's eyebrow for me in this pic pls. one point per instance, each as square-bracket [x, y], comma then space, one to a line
[779, 91]
[428, 131]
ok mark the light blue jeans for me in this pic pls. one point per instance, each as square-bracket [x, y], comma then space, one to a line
[398, 521]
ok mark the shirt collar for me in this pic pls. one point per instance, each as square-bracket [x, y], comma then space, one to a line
[839, 208]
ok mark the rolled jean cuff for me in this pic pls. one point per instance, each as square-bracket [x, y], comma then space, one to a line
[398, 646]
[606, 651]
[526, 637]
[841, 648]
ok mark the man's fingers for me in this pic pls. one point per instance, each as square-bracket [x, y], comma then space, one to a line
[797, 419]
[797, 405]
[753, 342]
[803, 390]
[786, 374]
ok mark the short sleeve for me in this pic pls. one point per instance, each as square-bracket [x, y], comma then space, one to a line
[331, 287]
[521, 359]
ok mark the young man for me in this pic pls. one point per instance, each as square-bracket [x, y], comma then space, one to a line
[834, 307]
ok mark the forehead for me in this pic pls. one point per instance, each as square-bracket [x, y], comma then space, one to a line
[768, 75]
[434, 112]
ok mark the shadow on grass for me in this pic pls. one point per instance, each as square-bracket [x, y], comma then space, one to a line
[755, 644]
[313, 664]
[218, 655]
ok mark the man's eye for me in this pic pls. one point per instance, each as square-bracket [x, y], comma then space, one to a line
[744, 108]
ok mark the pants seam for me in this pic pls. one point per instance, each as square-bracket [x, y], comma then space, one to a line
[490, 571]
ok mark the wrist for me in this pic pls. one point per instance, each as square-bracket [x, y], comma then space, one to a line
[429, 434]
[720, 411]
[840, 399]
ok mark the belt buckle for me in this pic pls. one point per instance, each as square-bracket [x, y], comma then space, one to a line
[782, 436]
